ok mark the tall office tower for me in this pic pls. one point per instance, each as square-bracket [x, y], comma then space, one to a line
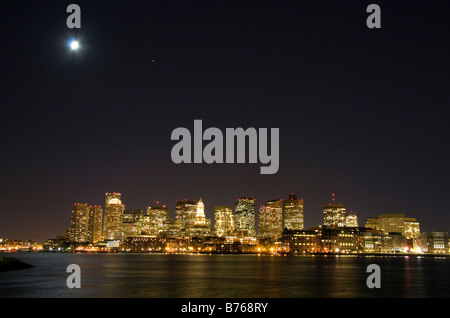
[200, 216]
[185, 214]
[271, 220]
[78, 231]
[352, 220]
[112, 226]
[244, 216]
[293, 213]
[158, 215]
[132, 223]
[202, 225]
[95, 223]
[334, 215]
[223, 220]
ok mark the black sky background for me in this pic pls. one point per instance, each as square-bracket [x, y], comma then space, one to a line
[362, 113]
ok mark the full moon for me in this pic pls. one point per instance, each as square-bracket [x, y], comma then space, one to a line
[74, 45]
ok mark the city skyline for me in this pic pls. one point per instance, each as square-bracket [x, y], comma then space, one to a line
[276, 228]
[361, 112]
[275, 216]
[341, 220]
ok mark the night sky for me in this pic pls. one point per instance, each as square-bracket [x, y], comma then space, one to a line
[363, 113]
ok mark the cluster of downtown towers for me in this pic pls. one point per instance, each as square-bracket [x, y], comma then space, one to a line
[93, 224]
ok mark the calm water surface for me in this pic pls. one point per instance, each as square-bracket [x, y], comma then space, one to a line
[228, 276]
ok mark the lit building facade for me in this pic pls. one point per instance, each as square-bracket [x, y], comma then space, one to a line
[223, 221]
[338, 240]
[371, 241]
[412, 229]
[200, 218]
[112, 226]
[202, 225]
[132, 223]
[271, 220]
[293, 213]
[244, 216]
[434, 242]
[393, 242]
[185, 214]
[372, 223]
[172, 229]
[334, 215]
[351, 220]
[300, 241]
[95, 223]
[389, 223]
[79, 223]
[157, 216]
[396, 223]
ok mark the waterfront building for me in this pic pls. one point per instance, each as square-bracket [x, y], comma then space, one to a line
[293, 213]
[300, 241]
[271, 220]
[370, 241]
[393, 242]
[434, 242]
[338, 240]
[244, 216]
[144, 243]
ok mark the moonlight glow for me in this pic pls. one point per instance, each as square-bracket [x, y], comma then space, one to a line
[74, 45]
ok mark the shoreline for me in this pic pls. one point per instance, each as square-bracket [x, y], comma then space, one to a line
[10, 264]
[244, 253]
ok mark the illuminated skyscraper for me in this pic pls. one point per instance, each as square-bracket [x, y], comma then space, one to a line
[78, 231]
[95, 224]
[158, 215]
[223, 220]
[112, 227]
[271, 220]
[185, 215]
[202, 225]
[352, 220]
[334, 215]
[200, 216]
[244, 216]
[412, 229]
[132, 223]
[293, 213]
